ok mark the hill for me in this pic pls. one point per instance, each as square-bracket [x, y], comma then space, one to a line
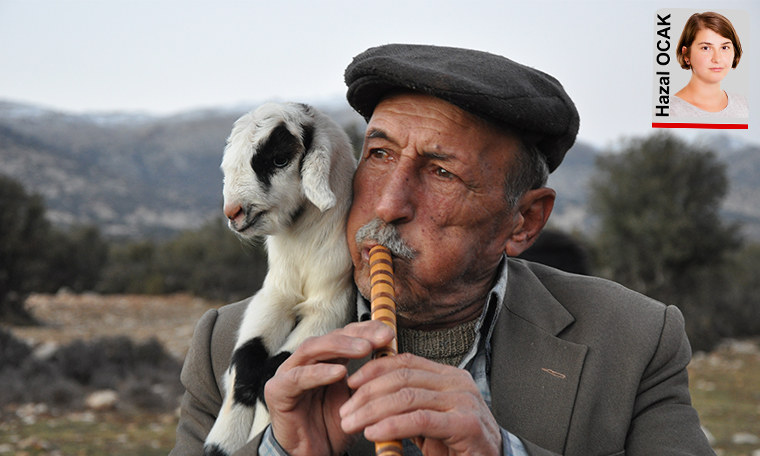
[132, 175]
[140, 176]
[571, 180]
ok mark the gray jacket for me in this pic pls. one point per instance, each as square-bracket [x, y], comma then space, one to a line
[580, 366]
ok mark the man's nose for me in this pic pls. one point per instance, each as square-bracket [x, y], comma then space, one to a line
[394, 203]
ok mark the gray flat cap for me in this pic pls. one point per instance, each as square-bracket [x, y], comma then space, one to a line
[516, 97]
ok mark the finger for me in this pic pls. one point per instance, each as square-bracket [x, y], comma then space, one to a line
[284, 391]
[325, 348]
[422, 423]
[389, 384]
[384, 376]
[313, 363]
[400, 402]
[470, 432]
[370, 329]
[384, 365]
[354, 341]
[402, 390]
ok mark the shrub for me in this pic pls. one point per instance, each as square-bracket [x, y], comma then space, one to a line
[144, 374]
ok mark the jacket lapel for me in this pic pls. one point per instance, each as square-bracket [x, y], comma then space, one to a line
[535, 375]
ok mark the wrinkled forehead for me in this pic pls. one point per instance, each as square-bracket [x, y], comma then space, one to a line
[437, 132]
[403, 113]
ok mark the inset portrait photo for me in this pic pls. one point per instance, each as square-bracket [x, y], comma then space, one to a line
[701, 69]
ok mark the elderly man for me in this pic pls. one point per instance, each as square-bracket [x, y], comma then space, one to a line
[501, 356]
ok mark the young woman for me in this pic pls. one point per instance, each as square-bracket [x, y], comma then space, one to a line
[709, 47]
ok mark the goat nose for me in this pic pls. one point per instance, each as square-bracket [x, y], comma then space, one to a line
[232, 210]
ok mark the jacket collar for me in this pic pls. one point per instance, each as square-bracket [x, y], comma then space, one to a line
[535, 374]
[529, 299]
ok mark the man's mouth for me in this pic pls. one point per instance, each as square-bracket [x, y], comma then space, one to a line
[365, 253]
[377, 232]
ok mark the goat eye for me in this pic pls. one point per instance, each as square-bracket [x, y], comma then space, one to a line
[280, 162]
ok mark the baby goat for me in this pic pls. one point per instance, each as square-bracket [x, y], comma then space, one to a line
[287, 176]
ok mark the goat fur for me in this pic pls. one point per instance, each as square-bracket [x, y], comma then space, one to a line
[287, 176]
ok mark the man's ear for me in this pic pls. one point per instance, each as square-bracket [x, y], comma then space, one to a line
[530, 217]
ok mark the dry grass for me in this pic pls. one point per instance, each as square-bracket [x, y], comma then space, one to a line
[725, 384]
[725, 389]
[30, 430]
[88, 434]
[67, 317]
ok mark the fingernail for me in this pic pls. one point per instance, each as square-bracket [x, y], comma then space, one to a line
[347, 423]
[359, 345]
[345, 409]
[335, 370]
[383, 333]
[368, 431]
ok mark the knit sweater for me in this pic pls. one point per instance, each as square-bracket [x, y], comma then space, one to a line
[445, 346]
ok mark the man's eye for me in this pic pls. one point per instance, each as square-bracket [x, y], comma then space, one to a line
[378, 153]
[444, 173]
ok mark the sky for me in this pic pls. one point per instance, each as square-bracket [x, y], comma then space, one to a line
[164, 57]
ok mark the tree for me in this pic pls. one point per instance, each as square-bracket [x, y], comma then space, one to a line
[211, 262]
[37, 257]
[660, 230]
[131, 269]
[75, 259]
[23, 234]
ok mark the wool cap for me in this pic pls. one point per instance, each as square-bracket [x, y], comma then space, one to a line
[518, 98]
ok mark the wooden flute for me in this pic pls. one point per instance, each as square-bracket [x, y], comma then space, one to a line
[383, 308]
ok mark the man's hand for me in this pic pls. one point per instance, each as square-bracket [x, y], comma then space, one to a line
[438, 406]
[305, 394]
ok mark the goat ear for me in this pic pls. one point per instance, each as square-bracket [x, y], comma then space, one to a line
[315, 169]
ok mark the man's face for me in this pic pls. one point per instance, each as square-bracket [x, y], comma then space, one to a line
[436, 173]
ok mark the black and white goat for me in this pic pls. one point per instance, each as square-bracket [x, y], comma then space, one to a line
[287, 176]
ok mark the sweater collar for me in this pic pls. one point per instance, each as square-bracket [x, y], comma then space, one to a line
[485, 323]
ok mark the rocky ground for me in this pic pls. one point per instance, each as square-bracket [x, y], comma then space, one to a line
[724, 383]
[103, 427]
[725, 390]
[65, 317]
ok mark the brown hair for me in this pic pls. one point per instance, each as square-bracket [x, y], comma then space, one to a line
[713, 21]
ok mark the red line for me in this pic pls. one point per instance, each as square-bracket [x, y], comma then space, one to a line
[701, 125]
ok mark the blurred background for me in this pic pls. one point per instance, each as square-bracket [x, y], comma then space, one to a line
[113, 117]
